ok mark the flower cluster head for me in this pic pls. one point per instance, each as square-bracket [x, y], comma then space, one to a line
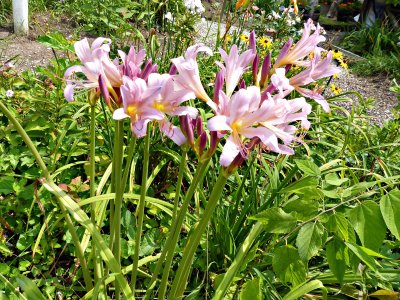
[246, 116]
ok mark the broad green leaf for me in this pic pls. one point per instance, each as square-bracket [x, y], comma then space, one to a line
[276, 220]
[298, 185]
[6, 185]
[308, 167]
[304, 209]
[337, 256]
[310, 239]
[298, 291]
[288, 266]
[385, 295]
[368, 223]
[30, 289]
[361, 254]
[338, 224]
[252, 290]
[390, 208]
[333, 179]
[357, 188]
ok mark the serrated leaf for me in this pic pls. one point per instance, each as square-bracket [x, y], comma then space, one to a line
[304, 209]
[368, 224]
[337, 256]
[361, 254]
[310, 239]
[288, 266]
[276, 220]
[338, 224]
[390, 208]
[308, 167]
[252, 290]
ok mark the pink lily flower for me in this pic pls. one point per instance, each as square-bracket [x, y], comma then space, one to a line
[234, 66]
[95, 62]
[303, 47]
[319, 68]
[188, 76]
[248, 118]
[137, 105]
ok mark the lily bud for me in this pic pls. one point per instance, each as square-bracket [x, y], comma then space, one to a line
[256, 61]
[213, 142]
[219, 82]
[242, 84]
[203, 142]
[252, 41]
[147, 69]
[199, 125]
[265, 69]
[172, 70]
[104, 91]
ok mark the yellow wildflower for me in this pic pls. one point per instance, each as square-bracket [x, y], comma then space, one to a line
[336, 54]
[335, 89]
[335, 76]
[228, 38]
[265, 42]
[244, 38]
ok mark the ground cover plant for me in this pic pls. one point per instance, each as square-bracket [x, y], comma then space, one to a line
[234, 177]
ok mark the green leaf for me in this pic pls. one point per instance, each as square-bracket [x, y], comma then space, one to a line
[56, 41]
[310, 239]
[276, 220]
[337, 256]
[30, 289]
[6, 185]
[303, 183]
[304, 209]
[333, 179]
[288, 266]
[361, 254]
[252, 290]
[308, 167]
[338, 224]
[368, 223]
[390, 208]
[298, 291]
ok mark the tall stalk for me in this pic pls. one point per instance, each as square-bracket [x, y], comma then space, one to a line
[177, 223]
[140, 207]
[92, 174]
[182, 274]
[116, 225]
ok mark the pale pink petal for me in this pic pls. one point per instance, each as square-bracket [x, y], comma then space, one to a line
[173, 132]
[218, 123]
[229, 152]
[119, 114]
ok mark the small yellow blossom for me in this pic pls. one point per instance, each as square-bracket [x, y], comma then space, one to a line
[265, 42]
[228, 38]
[335, 76]
[336, 54]
[335, 89]
[244, 38]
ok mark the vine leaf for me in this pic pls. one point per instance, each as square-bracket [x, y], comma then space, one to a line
[390, 208]
[288, 266]
[310, 239]
[368, 223]
[276, 220]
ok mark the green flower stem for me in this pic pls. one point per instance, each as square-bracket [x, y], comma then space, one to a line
[182, 274]
[140, 207]
[131, 152]
[79, 251]
[92, 174]
[238, 261]
[173, 236]
[182, 167]
[116, 226]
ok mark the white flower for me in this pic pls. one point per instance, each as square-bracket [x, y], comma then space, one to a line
[168, 16]
[9, 93]
[194, 6]
[203, 20]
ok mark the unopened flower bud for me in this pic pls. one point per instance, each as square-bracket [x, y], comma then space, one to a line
[172, 70]
[104, 91]
[219, 82]
[213, 142]
[94, 95]
[265, 69]
[199, 125]
[242, 84]
[187, 128]
[256, 61]
[203, 142]
[148, 69]
[252, 41]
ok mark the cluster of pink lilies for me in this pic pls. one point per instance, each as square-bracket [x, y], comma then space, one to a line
[257, 114]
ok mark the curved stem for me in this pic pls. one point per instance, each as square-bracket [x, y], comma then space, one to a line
[173, 236]
[182, 274]
[46, 174]
[238, 261]
[140, 207]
